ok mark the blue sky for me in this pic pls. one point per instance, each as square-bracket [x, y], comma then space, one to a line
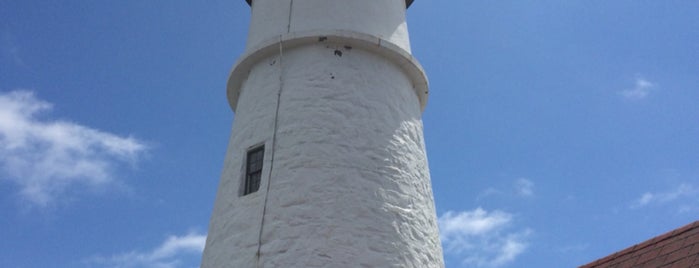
[557, 132]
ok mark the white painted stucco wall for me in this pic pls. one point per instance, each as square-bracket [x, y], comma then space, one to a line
[384, 19]
[345, 181]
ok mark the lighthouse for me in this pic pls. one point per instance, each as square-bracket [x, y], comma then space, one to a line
[326, 163]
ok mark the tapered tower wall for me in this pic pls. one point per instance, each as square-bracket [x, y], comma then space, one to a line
[345, 181]
[384, 19]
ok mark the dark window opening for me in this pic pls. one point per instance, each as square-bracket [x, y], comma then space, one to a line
[253, 169]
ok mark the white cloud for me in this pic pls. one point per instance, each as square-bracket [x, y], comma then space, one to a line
[685, 193]
[641, 89]
[174, 252]
[524, 187]
[488, 193]
[480, 238]
[46, 158]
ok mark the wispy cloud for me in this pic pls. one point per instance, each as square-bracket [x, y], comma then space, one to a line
[488, 193]
[482, 239]
[524, 187]
[521, 187]
[641, 89]
[46, 158]
[174, 252]
[684, 194]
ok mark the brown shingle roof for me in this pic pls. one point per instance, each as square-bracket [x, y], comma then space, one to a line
[675, 249]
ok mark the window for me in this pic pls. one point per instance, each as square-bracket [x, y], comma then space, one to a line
[253, 169]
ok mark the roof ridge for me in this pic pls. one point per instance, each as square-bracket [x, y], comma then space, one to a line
[645, 244]
[668, 235]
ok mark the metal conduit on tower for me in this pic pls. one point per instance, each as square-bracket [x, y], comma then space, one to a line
[326, 164]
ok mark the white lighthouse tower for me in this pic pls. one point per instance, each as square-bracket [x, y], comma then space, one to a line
[326, 164]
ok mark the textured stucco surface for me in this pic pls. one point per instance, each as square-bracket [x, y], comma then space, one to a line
[345, 181]
[350, 185]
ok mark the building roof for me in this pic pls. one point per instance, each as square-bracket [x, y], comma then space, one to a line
[407, 2]
[675, 249]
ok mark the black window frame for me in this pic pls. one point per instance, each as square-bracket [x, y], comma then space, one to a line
[253, 169]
